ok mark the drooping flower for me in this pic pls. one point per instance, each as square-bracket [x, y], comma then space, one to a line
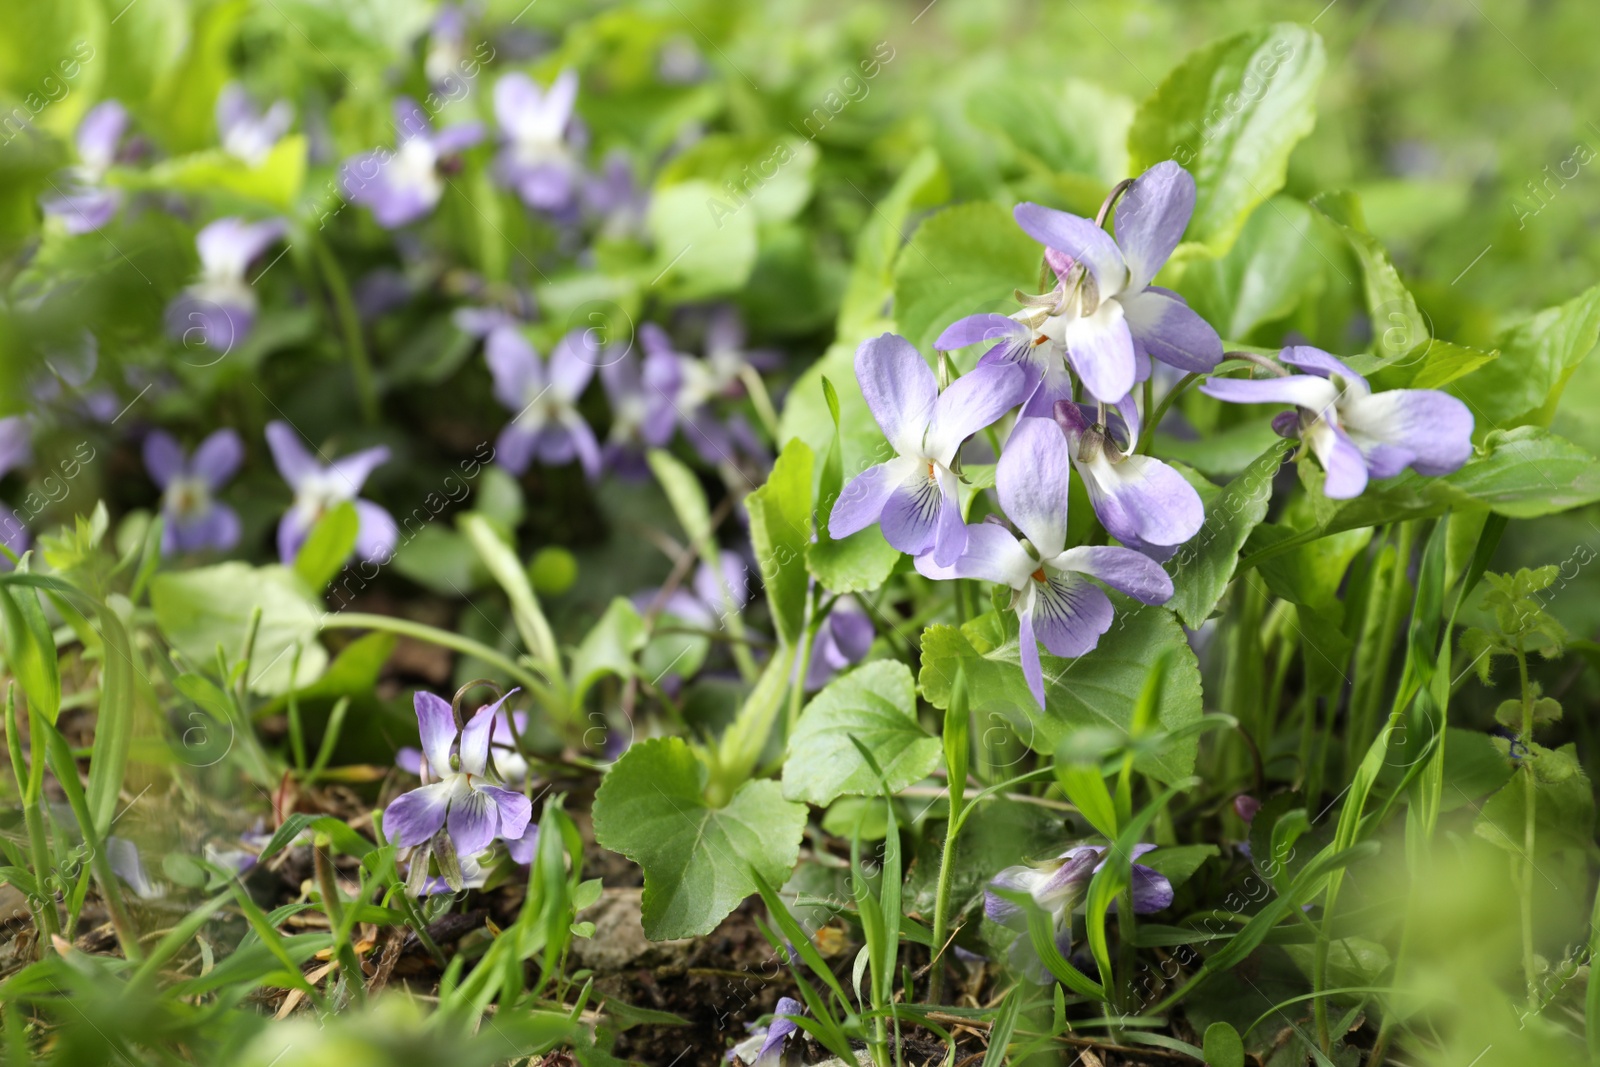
[247, 132]
[127, 864]
[914, 497]
[546, 426]
[195, 519]
[642, 394]
[765, 1045]
[465, 801]
[1140, 500]
[473, 876]
[1357, 434]
[1103, 316]
[536, 160]
[16, 443]
[219, 310]
[319, 487]
[1055, 602]
[82, 201]
[843, 640]
[509, 763]
[1057, 887]
[403, 185]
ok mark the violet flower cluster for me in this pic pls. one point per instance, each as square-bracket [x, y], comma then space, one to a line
[1067, 364]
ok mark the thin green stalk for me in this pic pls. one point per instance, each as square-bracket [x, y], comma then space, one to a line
[32, 814]
[1153, 419]
[328, 885]
[957, 753]
[1530, 802]
[350, 326]
[356, 620]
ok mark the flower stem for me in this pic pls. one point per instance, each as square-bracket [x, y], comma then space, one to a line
[357, 620]
[1530, 810]
[350, 326]
[941, 903]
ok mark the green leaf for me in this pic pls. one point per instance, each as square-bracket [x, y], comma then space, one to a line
[1312, 574]
[871, 280]
[780, 533]
[1563, 806]
[1270, 269]
[705, 243]
[697, 859]
[327, 547]
[276, 181]
[771, 176]
[1231, 113]
[501, 560]
[1203, 567]
[1223, 1046]
[1537, 357]
[877, 705]
[857, 564]
[1400, 331]
[688, 501]
[961, 261]
[608, 648]
[199, 610]
[1098, 689]
[31, 651]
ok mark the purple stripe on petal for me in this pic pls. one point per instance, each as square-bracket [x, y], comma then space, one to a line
[436, 724]
[514, 809]
[414, 817]
[1151, 218]
[1167, 330]
[1070, 613]
[473, 822]
[899, 389]
[910, 517]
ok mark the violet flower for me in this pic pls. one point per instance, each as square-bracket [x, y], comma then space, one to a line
[247, 132]
[465, 801]
[320, 487]
[1140, 500]
[705, 601]
[536, 160]
[615, 198]
[913, 497]
[643, 416]
[86, 204]
[403, 185]
[126, 863]
[509, 763]
[547, 426]
[1057, 887]
[16, 443]
[195, 520]
[1054, 600]
[219, 310]
[765, 1045]
[717, 376]
[1357, 434]
[1104, 316]
[843, 640]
